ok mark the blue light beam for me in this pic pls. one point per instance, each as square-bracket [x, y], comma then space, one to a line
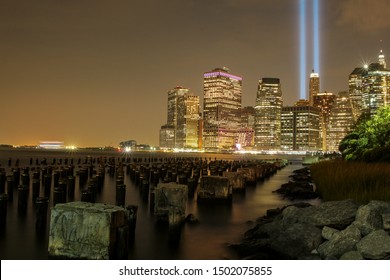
[316, 40]
[302, 47]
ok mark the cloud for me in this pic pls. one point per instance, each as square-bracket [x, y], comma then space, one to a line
[365, 15]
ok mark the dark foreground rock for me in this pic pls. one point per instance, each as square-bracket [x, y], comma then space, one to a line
[300, 187]
[332, 230]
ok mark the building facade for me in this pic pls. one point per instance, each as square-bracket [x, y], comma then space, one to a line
[324, 101]
[369, 87]
[314, 86]
[221, 109]
[268, 114]
[301, 128]
[182, 127]
[341, 120]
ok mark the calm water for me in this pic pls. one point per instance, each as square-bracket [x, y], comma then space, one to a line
[219, 224]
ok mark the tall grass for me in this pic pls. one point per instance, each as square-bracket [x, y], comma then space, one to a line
[362, 182]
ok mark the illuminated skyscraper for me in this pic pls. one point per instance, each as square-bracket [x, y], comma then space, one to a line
[181, 130]
[382, 60]
[187, 129]
[324, 101]
[340, 121]
[356, 91]
[268, 113]
[314, 86]
[300, 128]
[221, 109]
[369, 87]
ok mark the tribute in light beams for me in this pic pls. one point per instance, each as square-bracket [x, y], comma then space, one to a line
[316, 45]
[302, 54]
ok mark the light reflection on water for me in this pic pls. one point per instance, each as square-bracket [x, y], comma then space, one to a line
[219, 224]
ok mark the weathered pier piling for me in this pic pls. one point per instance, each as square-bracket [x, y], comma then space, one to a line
[3, 209]
[80, 230]
[41, 205]
[170, 203]
[214, 189]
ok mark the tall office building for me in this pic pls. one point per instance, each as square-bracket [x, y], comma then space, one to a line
[369, 87]
[356, 91]
[300, 128]
[341, 121]
[314, 86]
[268, 114]
[324, 101]
[181, 129]
[187, 130]
[221, 109]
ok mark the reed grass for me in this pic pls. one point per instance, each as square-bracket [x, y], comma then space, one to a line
[362, 182]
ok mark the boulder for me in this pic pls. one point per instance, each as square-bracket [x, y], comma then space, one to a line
[335, 214]
[297, 190]
[369, 217]
[352, 255]
[295, 241]
[340, 243]
[375, 245]
[83, 230]
[328, 232]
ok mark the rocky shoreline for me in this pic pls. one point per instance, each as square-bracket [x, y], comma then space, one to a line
[332, 230]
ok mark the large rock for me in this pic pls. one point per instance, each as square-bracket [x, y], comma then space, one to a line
[297, 190]
[335, 214]
[295, 241]
[170, 202]
[82, 230]
[214, 188]
[340, 243]
[375, 245]
[352, 255]
[369, 217]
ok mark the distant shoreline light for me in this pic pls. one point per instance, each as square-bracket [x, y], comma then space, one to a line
[51, 145]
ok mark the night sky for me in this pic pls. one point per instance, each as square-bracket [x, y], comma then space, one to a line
[97, 72]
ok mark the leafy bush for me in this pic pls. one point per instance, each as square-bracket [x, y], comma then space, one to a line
[370, 139]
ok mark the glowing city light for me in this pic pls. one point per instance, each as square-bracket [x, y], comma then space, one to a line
[302, 54]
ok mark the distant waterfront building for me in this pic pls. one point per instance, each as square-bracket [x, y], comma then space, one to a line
[268, 114]
[167, 137]
[301, 128]
[324, 101]
[129, 145]
[51, 145]
[182, 127]
[369, 87]
[314, 86]
[221, 109]
[341, 121]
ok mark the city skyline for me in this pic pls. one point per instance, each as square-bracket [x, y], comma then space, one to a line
[96, 75]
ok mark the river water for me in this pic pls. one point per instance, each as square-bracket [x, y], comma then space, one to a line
[219, 224]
